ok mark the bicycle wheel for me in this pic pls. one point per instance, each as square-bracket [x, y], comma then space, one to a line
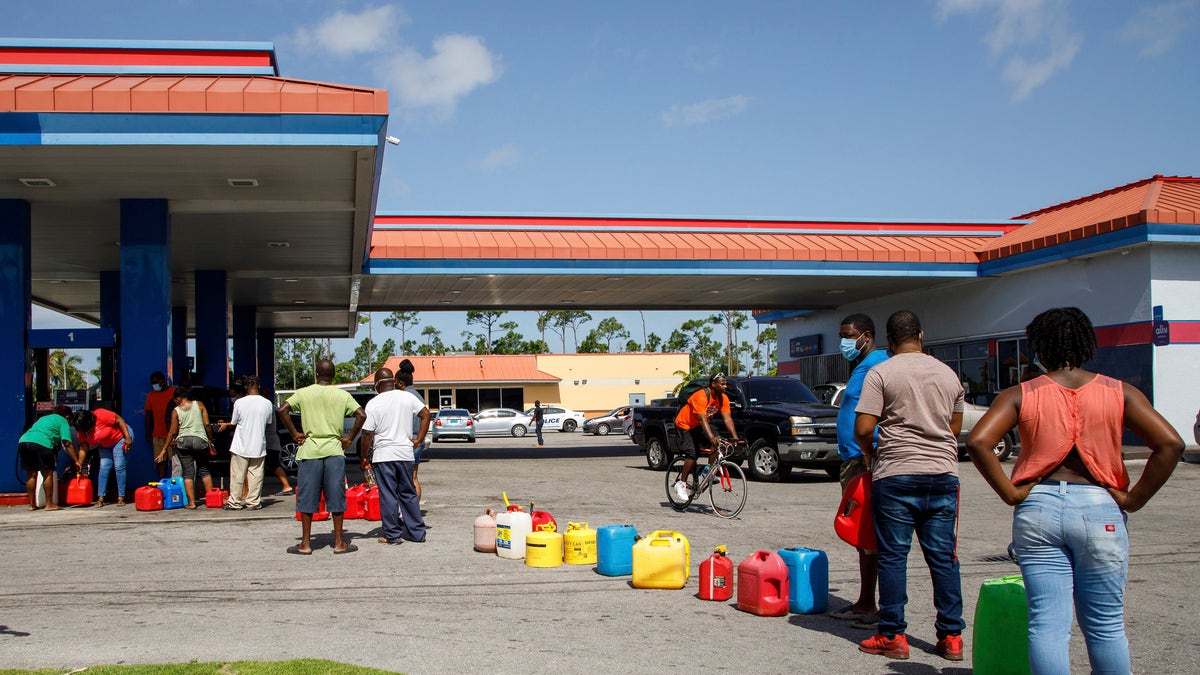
[673, 474]
[728, 490]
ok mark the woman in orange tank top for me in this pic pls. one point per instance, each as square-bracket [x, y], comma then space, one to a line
[1071, 490]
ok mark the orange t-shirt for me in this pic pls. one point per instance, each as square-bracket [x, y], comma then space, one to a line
[156, 406]
[699, 405]
[1054, 419]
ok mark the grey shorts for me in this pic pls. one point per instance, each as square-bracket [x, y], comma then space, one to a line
[851, 468]
[323, 475]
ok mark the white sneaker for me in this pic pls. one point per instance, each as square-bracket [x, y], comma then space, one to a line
[682, 491]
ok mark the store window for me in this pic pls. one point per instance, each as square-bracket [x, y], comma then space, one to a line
[973, 362]
[1013, 362]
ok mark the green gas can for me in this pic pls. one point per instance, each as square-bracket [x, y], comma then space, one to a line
[1000, 641]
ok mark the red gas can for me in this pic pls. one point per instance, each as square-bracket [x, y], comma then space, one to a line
[215, 498]
[372, 503]
[853, 522]
[356, 502]
[148, 498]
[716, 576]
[543, 521]
[762, 584]
[79, 491]
[321, 513]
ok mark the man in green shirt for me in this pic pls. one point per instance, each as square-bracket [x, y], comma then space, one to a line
[38, 449]
[322, 452]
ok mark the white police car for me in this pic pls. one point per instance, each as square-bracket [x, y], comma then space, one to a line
[559, 419]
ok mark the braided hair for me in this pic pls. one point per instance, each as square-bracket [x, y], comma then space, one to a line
[1062, 337]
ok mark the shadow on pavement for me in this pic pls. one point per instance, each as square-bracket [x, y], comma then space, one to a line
[471, 451]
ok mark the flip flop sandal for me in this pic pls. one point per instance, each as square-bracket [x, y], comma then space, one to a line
[295, 550]
[285, 493]
[350, 548]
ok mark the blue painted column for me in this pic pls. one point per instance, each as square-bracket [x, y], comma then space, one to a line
[179, 351]
[110, 317]
[143, 338]
[15, 321]
[266, 357]
[212, 331]
[245, 353]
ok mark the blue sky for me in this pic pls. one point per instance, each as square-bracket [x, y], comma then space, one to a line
[938, 109]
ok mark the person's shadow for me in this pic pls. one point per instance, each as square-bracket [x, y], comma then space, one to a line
[845, 630]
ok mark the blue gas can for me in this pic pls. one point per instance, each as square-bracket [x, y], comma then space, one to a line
[614, 550]
[174, 496]
[808, 579]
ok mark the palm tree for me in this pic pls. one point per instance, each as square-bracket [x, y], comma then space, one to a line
[64, 370]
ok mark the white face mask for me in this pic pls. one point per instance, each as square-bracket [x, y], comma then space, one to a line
[156, 387]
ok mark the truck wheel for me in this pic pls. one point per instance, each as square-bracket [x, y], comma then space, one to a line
[1004, 448]
[764, 462]
[656, 454]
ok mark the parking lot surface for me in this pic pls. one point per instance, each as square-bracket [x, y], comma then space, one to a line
[88, 586]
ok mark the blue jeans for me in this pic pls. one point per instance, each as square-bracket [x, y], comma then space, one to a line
[538, 427]
[111, 457]
[1071, 543]
[927, 505]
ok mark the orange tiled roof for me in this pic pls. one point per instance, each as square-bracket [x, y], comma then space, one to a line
[664, 239]
[471, 368]
[1160, 199]
[184, 94]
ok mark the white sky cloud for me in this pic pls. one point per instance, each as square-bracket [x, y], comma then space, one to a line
[459, 65]
[1158, 27]
[1034, 35]
[502, 157]
[705, 111]
[346, 34]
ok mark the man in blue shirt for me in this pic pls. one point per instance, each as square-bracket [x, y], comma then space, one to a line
[857, 346]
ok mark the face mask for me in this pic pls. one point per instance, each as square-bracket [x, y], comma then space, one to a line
[156, 387]
[849, 347]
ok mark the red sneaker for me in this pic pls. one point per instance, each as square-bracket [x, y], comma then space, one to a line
[895, 647]
[950, 648]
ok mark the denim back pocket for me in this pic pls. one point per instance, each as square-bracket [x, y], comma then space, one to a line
[1028, 528]
[1107, 539]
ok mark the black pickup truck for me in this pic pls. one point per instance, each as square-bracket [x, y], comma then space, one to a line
[780, 418]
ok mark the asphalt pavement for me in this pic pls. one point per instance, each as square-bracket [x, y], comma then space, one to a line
[86, 586]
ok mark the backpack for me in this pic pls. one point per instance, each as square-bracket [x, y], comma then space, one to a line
[685, 394]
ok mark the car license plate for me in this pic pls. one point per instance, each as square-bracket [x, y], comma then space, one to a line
[807, 454]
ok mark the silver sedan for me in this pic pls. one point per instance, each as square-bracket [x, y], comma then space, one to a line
[502, 422]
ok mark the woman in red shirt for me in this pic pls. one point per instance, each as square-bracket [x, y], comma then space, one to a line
[1071, 490]
[106, 431]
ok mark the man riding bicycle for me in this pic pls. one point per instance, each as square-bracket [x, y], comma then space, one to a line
[696, 433]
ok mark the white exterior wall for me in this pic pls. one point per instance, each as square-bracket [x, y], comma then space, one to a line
[1176, 286]
[1110, 289]
[1114, 288]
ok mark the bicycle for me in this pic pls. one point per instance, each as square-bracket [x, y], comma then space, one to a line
[722, 478]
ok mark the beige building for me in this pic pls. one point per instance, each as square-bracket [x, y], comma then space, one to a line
[589, 383]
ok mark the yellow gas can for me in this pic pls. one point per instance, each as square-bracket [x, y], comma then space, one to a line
[544, 549]
[579, 544]
[662, 560]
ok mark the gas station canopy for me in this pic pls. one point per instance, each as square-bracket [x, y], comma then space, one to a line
[271, 180]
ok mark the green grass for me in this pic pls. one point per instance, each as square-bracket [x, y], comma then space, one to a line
[292, 667]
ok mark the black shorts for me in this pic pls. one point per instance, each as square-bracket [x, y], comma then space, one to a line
[692, 442]
[35, 457]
